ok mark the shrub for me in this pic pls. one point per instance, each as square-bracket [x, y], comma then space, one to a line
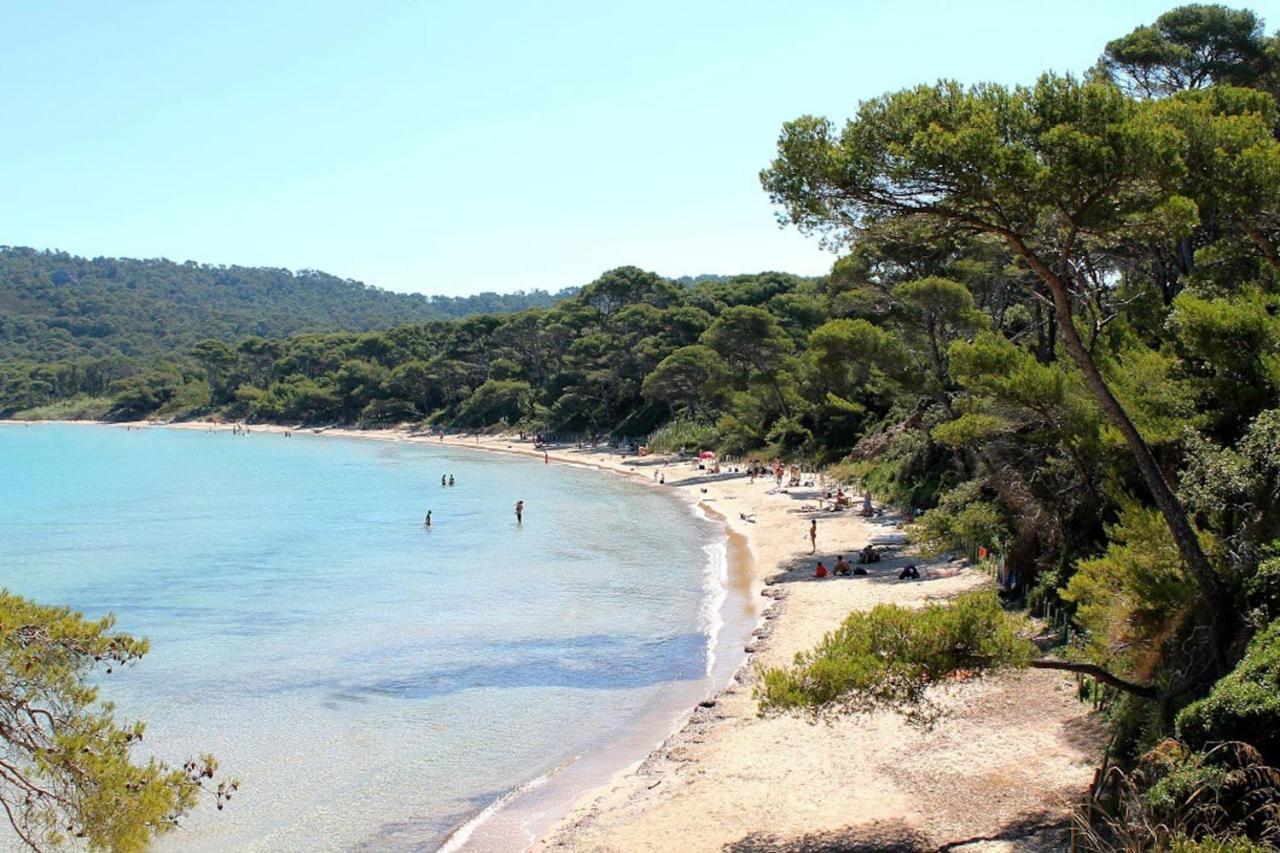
[889, 655]
[1224, 800]
[692, 435]
[1244, 704]
[961, 521]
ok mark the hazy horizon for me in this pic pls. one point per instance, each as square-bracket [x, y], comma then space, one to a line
[450, 151]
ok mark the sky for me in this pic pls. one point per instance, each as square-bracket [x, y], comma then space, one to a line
[452, 148]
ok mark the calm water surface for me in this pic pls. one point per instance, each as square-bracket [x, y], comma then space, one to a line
[370, 682]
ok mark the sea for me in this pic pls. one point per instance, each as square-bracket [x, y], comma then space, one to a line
[372, 683]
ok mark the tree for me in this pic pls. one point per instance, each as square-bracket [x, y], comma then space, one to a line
[1051, 170]
[65, 766]
[624, 286]
[693, 377]
[1189, 47]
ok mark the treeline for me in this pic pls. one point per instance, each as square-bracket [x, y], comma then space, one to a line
[58, 307]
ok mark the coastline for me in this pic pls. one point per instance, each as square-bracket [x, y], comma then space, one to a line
[1005, 761]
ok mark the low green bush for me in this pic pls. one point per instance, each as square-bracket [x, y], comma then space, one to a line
[1244, 705]
[889, 655]
[688, 433]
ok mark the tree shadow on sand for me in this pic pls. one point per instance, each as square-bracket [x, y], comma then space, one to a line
[1037, 831]
[867, 838]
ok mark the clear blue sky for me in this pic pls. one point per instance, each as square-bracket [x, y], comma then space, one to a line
[466, 146]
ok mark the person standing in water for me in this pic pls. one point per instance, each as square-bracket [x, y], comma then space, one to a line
[443, 479]
[450, 479]
[813, 536]
[428, 521]
[519, 512]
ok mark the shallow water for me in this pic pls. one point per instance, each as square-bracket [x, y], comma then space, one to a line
[370, 682]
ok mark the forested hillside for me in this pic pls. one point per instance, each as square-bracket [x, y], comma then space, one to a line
[57, 306]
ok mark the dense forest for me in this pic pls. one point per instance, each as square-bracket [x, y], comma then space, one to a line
[1054, 329]
[56, 306]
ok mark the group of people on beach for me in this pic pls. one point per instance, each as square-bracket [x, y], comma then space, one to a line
[841, 567]
[869, 554]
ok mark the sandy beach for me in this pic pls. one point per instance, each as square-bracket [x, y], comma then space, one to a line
[999, 771]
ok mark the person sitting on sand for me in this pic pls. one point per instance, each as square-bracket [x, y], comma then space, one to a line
[909, 572]
[842, 500]
[821, 571]
[867, 509]
[869, 554]
[842, 566]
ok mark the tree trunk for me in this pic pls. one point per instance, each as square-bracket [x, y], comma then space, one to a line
[1175, 516]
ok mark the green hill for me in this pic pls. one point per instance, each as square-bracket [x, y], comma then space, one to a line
[58, 306]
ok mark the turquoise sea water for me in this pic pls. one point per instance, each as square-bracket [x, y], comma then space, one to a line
[370, 682]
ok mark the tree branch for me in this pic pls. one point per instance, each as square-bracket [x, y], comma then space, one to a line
[1146, 691]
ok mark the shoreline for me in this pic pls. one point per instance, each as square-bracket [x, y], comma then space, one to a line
[1003, 765]
[510, 818]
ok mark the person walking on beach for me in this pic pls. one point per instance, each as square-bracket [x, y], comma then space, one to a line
[813, 536]
[519, 512]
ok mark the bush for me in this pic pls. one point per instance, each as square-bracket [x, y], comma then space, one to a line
[1224, 800]
[75, 409]
[1244, 705]
[889, 655]
[688, 433]
[1262, 591]
[962, 521]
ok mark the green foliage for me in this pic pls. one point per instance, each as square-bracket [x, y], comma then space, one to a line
[889, 656]
[694, 378]
[1176, 798]
[497, 400]
[686, 433]
[1133, 598]
[58, 306]
[73, 409]
[962, 521]
[69, 776]
[1244, 704]
[1190, 47]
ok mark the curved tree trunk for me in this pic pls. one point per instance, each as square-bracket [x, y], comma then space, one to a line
[1175, 516]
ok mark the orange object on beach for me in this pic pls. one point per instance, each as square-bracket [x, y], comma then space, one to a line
[982, 552]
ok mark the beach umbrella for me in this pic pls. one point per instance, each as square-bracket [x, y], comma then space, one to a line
[706, 454]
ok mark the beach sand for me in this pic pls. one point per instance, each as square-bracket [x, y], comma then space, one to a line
[1007, 759]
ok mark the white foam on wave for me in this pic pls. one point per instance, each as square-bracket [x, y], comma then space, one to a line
[715, 585]
[460, 836]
